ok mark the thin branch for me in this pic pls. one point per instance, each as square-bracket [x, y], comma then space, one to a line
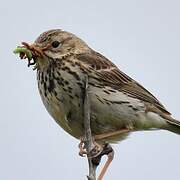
[87, 133]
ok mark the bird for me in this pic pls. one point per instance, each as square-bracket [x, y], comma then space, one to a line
[119, 105]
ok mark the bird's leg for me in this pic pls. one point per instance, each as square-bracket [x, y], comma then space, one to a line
[114, 133]
[98, 148]
[107, 150]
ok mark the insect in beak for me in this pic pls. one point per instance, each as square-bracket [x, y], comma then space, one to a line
[30, 52]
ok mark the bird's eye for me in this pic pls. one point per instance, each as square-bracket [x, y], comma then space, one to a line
[55, 44]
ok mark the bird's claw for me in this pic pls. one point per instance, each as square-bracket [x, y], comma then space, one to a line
[82, 150]
[95, 151]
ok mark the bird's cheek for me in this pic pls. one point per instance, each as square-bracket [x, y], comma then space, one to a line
[52, 54]
[42, 62]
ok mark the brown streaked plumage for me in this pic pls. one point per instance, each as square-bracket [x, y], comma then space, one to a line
[119, 105]
[111, 76]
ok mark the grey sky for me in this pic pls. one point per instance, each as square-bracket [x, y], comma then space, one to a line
[141, 37]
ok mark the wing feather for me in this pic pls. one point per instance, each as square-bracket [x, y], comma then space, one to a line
[111, 76]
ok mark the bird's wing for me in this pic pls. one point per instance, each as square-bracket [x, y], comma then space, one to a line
[108, 74]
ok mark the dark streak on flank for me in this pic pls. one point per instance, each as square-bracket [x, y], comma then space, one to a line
[49, 71]
[119, 102]
[107, 92]
[59, 74]
[65, 68]
[38, 75]
[45, 86]
[134, 108]
[76, 95]
[75, 75]
[46, 78]
[42, 77]
[64, 89]
[51, 86]
[111, 90]
[107, 101]
[60, 100]
[69, 116]
[55, 93]
[66, 82]
[80, 84]
[69, 90]
[99, 99]
[70, 96]
[60, 83]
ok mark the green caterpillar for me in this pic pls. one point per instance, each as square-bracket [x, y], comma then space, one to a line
[22, 50]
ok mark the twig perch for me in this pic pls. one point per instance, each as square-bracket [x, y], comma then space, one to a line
[87, 133]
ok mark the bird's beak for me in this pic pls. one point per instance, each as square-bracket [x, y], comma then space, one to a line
[36, 51]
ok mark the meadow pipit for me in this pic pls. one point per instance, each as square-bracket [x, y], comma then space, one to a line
[119, 105]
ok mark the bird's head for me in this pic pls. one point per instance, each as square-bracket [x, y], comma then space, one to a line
[54, 45]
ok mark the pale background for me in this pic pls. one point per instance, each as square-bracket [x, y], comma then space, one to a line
[141, 37]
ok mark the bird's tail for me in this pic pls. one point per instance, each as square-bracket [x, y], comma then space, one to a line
[173, 126]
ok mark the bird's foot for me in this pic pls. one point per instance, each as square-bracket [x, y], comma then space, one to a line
[96, 154]
[95, 151]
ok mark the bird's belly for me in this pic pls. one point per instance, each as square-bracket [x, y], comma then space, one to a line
[101, 122]
[106, 114]
[66, 113]
[109, 111]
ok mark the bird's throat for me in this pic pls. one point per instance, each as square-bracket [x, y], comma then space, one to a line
[42, 62]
